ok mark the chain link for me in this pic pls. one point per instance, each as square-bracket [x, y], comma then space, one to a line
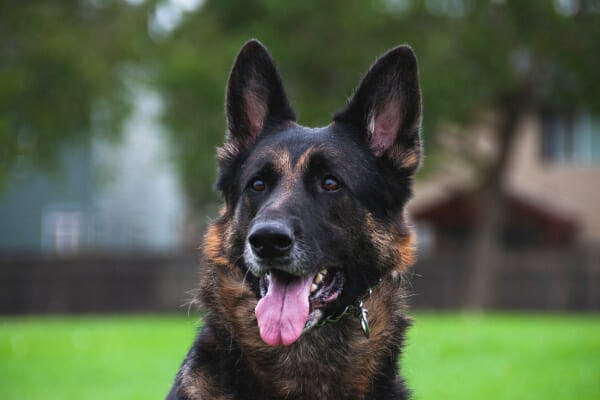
[358, 310]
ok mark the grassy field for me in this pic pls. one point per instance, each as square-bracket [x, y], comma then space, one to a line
[449, 356]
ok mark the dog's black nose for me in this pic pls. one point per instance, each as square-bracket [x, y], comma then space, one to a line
[271, 239]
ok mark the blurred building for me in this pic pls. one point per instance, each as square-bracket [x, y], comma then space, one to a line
[552, 187]
[106, 196]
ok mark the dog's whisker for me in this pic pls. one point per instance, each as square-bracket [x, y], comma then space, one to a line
[246, 276]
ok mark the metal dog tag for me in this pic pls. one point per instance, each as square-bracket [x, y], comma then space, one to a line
[364, 319]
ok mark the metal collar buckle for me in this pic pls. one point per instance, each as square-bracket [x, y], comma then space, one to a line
[358, 310]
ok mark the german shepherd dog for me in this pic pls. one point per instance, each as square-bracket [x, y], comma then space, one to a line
[303, 271]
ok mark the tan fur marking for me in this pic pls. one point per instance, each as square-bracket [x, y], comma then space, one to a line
[290, 174]
[283, 161]
[400, 247]
[405, 159]
[410, 159]
[236, 303]
[302, 163]
[405, 246]
[213, 245]
[200, 387]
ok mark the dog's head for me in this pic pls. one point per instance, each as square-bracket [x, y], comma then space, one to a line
[316, 214]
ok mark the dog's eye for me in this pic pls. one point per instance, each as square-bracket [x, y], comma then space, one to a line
[258, 185]
[330, 184]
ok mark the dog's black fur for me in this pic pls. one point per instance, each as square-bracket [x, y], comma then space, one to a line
[313, 222]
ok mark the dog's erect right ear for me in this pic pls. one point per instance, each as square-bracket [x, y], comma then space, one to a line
[255, 97]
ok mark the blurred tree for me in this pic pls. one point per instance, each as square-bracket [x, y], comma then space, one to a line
[511, 58]
[61, 67]
[477, 57]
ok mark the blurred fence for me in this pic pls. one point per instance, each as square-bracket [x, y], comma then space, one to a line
[527, 280]
[106, 284]
[537, 280]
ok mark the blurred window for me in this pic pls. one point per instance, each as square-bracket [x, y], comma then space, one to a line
[570, 138]
[63, 229]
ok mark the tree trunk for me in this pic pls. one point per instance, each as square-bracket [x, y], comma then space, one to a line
[484, 248]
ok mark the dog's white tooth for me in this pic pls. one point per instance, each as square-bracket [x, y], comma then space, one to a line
[319, 278]
[313, 287]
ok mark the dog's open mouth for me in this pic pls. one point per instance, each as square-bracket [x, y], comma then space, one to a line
[289, 303]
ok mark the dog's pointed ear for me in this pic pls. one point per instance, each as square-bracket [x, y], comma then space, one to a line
[255, 96]
[386, 107]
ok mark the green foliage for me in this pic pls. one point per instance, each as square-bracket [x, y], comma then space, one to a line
[450, 356]
[62, 64]
[60, 70]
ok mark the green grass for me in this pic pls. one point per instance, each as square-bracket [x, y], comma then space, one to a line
[129, 357]
[518, 356]
[449, 356]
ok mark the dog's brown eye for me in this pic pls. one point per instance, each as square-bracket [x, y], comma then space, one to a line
[330, 184]
[258, 185]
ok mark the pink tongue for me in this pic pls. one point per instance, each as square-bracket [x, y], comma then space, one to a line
[283, 312]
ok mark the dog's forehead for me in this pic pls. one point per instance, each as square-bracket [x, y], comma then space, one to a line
[295, 146]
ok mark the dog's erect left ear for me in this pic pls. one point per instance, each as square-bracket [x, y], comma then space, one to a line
[255, 96]
[386, 107]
